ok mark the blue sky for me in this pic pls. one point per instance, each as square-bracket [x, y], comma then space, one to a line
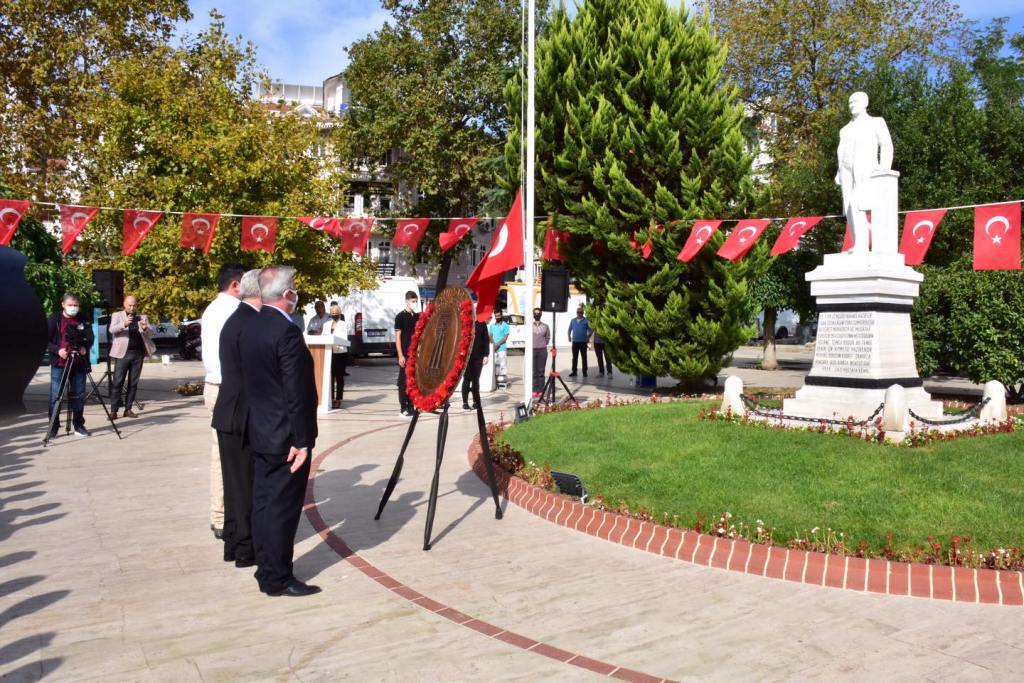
[302, 41]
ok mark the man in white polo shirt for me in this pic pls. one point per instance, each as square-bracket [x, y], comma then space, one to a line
[214, 317]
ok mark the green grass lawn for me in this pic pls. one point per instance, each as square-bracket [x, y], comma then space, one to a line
[662, 458]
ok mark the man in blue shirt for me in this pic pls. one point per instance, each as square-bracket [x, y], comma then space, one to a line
[499, 330]
[579, 335]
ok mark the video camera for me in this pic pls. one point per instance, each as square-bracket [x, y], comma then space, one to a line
[77, 336]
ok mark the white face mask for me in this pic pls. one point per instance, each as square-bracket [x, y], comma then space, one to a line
[72, 311]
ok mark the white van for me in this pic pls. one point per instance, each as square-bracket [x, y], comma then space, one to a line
[370, 314]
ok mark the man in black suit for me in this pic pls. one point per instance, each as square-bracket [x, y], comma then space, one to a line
[229, 419]
[280, 389]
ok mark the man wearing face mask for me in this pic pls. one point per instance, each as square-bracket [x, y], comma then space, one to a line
[339, 357]
[541, 339]
[281, 429]
[405, 326]
[70, 339]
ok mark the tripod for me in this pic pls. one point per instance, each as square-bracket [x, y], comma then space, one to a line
[62, 399]
[108, 377]
[547, 394]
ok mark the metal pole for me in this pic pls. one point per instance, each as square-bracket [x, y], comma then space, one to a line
[531, 116]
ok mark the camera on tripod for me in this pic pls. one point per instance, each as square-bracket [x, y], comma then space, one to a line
[77, 337]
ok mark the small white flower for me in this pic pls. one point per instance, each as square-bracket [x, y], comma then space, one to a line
[814, 530]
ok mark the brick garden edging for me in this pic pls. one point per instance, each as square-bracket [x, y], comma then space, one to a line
[939, 582]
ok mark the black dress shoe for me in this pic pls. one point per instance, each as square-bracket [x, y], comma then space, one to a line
[295, 589]
[229, 554]
[243, 562]
[217, 533]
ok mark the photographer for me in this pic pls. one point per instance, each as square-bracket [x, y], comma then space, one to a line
[130, 345]
[70, 339]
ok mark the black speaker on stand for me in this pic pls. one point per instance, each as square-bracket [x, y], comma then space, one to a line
[554, 290]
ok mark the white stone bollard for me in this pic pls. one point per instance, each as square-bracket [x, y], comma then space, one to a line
[165, 359]
[894, 414]
[732, 398]
[995, 409]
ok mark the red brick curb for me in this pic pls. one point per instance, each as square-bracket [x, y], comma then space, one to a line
[961, 584]
[338, 545]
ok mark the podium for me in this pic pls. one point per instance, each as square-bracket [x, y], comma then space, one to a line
[321, 347]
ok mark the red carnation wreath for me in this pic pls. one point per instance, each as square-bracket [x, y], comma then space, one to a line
[437, 398]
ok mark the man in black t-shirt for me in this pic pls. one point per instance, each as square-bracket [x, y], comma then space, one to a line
[405, 325]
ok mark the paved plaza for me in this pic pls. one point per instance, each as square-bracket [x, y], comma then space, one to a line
[108, 571]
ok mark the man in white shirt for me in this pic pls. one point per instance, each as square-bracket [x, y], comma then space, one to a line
[319, 319]
[214, 317]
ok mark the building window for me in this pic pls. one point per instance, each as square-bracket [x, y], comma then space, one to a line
[384, 252]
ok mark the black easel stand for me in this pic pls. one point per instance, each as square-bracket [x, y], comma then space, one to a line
[62, 399]
[547, 394]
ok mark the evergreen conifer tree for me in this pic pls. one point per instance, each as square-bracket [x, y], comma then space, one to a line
[638, 135]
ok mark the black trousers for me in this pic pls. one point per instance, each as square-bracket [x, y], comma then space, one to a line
[602, 359]
[277, 497]
[338, 361]
[579, 349]
[236, 470]
[471, 380]
[540, 362]
[403, 397]
[130, 368]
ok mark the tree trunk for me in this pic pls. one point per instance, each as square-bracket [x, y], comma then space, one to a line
[768, 360]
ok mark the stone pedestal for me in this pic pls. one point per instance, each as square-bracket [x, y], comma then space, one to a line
[864, 341]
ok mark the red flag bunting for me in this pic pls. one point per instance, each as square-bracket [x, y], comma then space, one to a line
[137, 225]
[457, 229]
[506, 253]
[332, 226]
[73, 220]
[355, 235]
[699, 236]
[742, 238]
[790, 236]
[259, 232]
[410, 232]
[11, 213]
[918, 231]
[553, 241]
[197, 230]
[997, 237]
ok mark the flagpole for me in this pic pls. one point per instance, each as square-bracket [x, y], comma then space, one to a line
[531, 114]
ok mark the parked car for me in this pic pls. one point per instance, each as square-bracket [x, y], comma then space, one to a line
[370, 314]
[517, 331]
[189, 340]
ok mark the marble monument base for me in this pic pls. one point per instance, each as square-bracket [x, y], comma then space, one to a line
[864, 342]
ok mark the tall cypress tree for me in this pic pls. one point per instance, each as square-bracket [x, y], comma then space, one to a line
[638, 136]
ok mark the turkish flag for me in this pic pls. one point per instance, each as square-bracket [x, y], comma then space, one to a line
[506, 253]
[699, 236]
[410, 232]
[553, 240]
[848, 237]
[11, 213]
[355, 235]
[322, 224]
[137, 225]
[742, 238]
[259, 232]
[918, 230]
[457, 229]
[790, 236]
[997, 237]
[197, 230]
[73, 220]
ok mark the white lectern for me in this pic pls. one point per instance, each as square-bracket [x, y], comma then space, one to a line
[322, 347]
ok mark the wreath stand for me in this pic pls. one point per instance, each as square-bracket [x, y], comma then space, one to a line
[442, 436]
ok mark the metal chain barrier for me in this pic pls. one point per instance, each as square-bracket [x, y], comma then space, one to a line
[971, 414]
[779, 415]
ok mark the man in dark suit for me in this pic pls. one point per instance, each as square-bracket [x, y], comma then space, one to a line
[229, 419]
[280, 389]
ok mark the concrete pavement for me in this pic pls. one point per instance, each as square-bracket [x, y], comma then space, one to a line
[108, 571]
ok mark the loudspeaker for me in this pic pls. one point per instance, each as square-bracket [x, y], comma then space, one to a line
[110, 284]
[554, 290]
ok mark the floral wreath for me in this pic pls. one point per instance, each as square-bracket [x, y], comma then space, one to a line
[434, 400]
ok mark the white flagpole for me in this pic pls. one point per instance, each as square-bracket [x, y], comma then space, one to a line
[531, 114]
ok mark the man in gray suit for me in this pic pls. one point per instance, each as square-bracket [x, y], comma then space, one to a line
[860, 143]
[130, 344]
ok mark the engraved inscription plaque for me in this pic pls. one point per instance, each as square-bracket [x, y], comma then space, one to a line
[845, 342]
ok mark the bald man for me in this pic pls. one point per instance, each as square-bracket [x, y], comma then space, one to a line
[130, 344]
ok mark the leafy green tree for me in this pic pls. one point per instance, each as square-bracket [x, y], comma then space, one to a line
[636, 129]
[430, 84]
[52, 52]
[181, 132]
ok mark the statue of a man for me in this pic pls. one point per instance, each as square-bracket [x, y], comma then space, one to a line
[864, 148]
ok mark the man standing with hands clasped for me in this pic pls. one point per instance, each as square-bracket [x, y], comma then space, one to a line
[281, 392]
[405, 326]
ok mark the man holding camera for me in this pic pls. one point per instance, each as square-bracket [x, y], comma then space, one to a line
[130, 345]
[70, 338]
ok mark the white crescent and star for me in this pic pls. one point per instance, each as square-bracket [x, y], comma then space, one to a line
[753, 232]
[146, 223]
[196, 222]
[794, 227]
[700, 231]
[997, 239]
[79, 218]
[7, 211]
[411, 229]
[460, 230]
[927, 223]
[502, 241]
[259, 227]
